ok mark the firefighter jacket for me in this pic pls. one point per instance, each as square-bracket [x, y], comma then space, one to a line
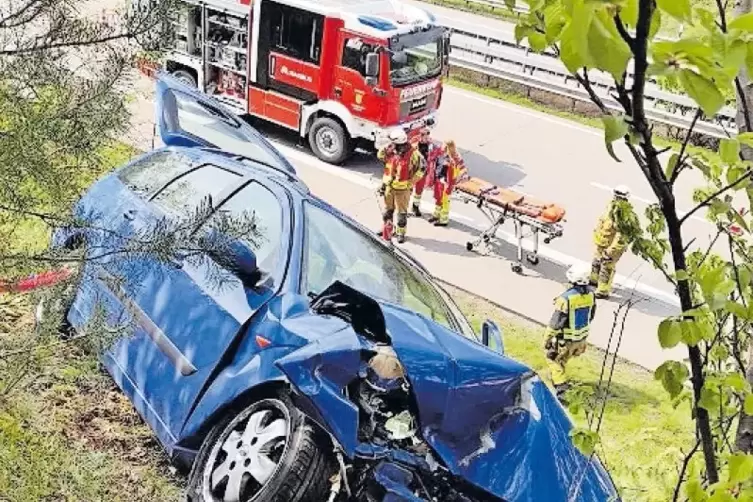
[606, 234]
[573, 312]
[386, 155]
[402, 171]
[450, 168]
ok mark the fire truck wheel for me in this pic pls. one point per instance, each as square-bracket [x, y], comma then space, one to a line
[185, 77]
[329, 140]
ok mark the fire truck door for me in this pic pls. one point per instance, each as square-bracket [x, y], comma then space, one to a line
[350, 87]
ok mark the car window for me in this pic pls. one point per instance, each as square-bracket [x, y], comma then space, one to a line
[186, 192]
[152, 171]
[223, 131]
[256, 204]
[335, 250]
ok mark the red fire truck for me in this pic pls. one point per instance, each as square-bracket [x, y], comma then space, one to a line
[340, 72]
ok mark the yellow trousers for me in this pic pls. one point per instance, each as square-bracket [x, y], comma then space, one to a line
[603, 268]
[566, 350]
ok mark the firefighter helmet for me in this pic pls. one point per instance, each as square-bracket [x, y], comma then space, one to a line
[578, 274]
[622, 192]
[398, 136]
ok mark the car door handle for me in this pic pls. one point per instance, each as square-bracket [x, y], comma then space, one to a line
[130, 214]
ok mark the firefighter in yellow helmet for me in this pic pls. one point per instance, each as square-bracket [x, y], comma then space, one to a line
[610, 245]
[404, 165]
[569, 326]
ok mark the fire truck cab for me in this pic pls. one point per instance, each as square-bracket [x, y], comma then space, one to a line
[340, 72]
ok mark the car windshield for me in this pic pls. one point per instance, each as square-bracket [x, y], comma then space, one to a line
[416, 64]
[334, 250]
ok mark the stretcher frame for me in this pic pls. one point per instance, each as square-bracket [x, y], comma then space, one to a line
[498, 215]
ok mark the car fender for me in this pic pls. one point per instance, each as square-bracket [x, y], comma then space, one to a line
[232, 385]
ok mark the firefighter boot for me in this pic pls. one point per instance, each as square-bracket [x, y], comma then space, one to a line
[443, 218]
[415, 209]
[402, 223]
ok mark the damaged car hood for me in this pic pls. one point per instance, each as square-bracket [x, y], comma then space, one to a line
[489, 419]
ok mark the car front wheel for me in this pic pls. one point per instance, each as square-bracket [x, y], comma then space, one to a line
[267, 452]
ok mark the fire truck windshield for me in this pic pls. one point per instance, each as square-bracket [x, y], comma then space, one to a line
[415, 64]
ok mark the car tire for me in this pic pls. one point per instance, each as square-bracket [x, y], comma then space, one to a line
[186, 77]
[329, 140]
[302, 464]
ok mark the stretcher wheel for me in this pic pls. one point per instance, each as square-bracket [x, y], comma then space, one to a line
[517, 268]
[486, 239]
[533, 259]
[547, 240]
[469, 246]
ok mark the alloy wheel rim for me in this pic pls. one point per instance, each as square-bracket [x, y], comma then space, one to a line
[247, 454]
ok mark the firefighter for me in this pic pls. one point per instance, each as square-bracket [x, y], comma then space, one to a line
[403, 166]
[610, 245]
[569, 326]
[450, 169]
[431, 151]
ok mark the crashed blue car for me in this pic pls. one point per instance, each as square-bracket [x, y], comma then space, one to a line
[331, 367]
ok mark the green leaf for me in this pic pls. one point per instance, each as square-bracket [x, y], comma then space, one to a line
[672, 376]
[736, 381]
[521, 32]
[629, 13]
[671, 165]
[691, 332]
[740, 467]
[679, 9]
[682, 275]
[746, 138]
[710, 400]
[748, 406]
[695, 492]
[608, 50]
[736, 309]
[670, 333]
[585, 440]
[656, 21]
[749, 58]
[574, 41]
[510, 4]
[537, 41]
[615, 128]
[743, 23]
[703, 91]
[729, 151]
[740, 220]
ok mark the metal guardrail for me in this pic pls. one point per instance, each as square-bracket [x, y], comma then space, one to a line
[507, 60]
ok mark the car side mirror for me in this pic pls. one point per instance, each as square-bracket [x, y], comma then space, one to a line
[491, 336]
[372, 65]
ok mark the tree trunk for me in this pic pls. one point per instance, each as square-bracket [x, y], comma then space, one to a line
[744, 119]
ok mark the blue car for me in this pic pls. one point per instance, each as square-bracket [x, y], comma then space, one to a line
[326, 365]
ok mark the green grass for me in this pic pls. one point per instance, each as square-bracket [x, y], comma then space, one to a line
[66, 433]
[642, 434]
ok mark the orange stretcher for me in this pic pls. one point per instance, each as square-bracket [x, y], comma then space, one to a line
[499, 204]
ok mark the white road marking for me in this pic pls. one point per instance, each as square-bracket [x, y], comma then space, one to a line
[545, 252]
[649, 202]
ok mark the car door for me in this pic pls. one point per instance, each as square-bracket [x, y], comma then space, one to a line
[186, 117]
[189, 310]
